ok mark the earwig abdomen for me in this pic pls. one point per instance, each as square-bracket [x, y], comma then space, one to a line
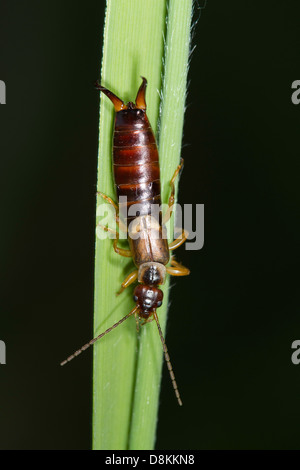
[135, 163]
[137, 177]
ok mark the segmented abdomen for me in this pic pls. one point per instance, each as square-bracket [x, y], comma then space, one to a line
[135, 163]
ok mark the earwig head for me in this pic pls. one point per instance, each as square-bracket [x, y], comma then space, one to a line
[147, 299]
[140, 103]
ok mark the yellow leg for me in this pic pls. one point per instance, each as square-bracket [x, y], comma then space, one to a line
[179, 241]
[121, 251]
[107, 229]
[129, 280]
[115, 205]
[109, 200]
[169, 213]
[178, 270]
[173, 262]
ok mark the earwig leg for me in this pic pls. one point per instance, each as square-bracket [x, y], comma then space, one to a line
[179, 270]
[121, 251]
[173, 262]
[121, 225]
[107, 229]
[169, 212]
[109, 200]
[129, 280]
[179, 241]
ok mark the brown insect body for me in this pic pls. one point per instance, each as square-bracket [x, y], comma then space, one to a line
[137, 177]
[137, 180]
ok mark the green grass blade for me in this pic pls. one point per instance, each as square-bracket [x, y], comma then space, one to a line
[133, 46]
[124, 407]
[172, 114]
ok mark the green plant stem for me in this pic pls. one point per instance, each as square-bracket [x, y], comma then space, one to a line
[127, 372]
[172, 114]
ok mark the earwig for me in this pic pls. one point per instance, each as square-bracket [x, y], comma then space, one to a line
[137, 176]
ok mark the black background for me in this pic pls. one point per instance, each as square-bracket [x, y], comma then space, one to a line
[232, 322]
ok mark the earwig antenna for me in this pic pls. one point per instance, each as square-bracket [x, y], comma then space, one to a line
[117, 102]
[87, 345]
[167, 358]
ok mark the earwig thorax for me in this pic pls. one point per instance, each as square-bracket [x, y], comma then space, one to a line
[152, 274]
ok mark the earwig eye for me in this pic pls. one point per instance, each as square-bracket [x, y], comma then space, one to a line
[135, 298]
[159, 303]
